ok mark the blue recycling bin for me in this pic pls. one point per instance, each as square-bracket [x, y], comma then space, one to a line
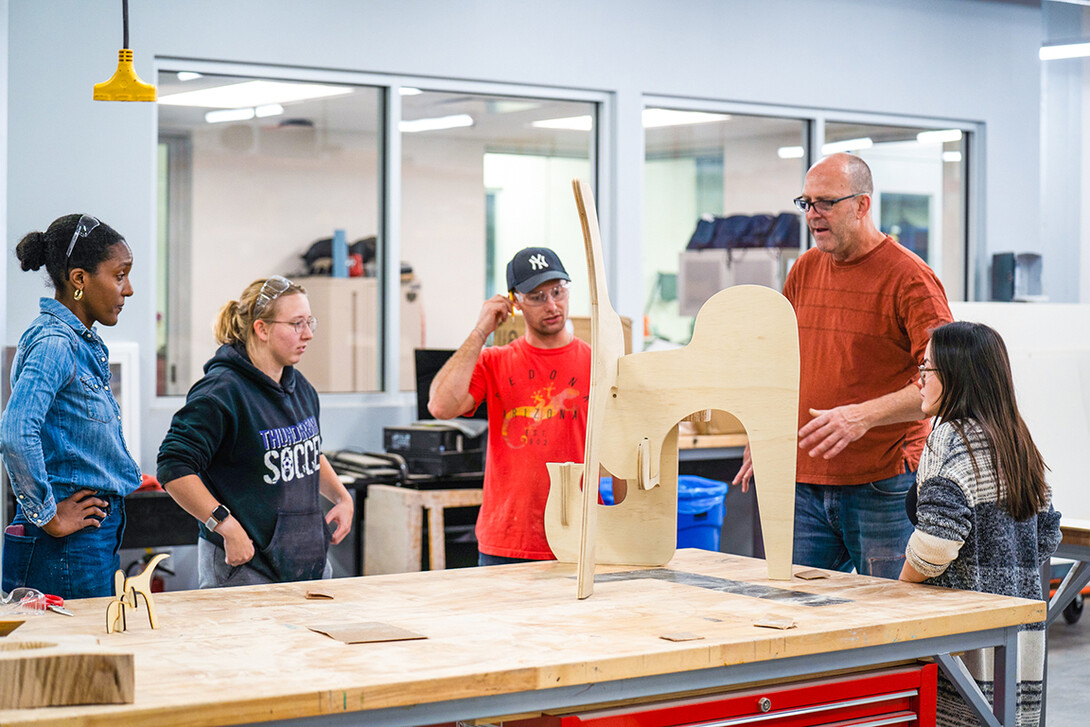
[700, 509]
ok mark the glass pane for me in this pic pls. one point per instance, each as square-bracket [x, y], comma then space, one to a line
[717, 210]
[483, 177]
[263, 192]
[919, 190]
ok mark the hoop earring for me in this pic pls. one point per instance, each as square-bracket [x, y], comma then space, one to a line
[78, 295]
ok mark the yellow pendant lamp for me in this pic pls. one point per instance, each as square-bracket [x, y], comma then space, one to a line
[125, 85]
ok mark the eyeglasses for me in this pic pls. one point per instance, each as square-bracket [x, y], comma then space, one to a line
[924, 370]
[533, 300]
[821, 205]
[311, 323]
[83, 229]
[272, 289]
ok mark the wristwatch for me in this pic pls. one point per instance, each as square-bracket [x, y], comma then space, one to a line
[218, 515]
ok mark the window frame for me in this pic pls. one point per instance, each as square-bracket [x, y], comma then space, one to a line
[388, 230]
[974, 270]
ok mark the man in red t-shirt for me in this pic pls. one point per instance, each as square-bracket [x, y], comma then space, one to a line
[865, 307]
[536, 388]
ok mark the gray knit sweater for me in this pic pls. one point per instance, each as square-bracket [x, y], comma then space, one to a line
[965, 539]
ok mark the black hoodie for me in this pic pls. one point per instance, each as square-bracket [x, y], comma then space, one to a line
[255, 444]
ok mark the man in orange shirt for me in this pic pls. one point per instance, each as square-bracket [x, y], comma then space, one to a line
[537, 388]
[865, 308]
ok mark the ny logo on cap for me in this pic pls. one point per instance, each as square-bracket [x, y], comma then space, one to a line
[537, 262]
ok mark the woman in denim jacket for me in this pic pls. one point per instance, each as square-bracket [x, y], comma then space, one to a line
[60, 436]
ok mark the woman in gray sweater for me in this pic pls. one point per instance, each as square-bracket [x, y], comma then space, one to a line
[983, 511]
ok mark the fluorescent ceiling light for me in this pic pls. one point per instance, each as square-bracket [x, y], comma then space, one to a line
[847, 145]
[221, 115]
[436, 123]
[188, 76]
[409, 91]
[951, 156]
[273, 109]
[1064, 50]
[790, 152]
[938, 137]
[655, 118]
[572, 123]
[253, 93]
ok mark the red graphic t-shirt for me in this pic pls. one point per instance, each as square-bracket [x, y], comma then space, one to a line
[537, 413]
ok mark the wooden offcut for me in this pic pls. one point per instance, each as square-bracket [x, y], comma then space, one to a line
[67, 670]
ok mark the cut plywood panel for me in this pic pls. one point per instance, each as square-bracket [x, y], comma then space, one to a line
[743, 359]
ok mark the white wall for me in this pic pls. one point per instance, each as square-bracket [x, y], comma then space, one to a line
[1050, 364]
[67, 153]
[1084, 167]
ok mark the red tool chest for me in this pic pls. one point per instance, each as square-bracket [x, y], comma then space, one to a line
[901, 696]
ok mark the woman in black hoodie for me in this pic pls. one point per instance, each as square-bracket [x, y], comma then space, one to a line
[244, 456]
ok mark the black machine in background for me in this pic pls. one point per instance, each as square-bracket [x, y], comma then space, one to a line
[432, 447]
[428, 362]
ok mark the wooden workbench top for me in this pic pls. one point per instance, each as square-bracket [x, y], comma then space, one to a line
[1075, 532]
[246, 654]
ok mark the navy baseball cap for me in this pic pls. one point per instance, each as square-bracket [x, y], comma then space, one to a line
[532, 266]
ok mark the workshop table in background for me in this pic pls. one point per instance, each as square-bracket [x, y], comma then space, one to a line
[394, 526]
[513, 639]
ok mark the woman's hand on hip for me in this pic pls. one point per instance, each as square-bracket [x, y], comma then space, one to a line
[79, 510]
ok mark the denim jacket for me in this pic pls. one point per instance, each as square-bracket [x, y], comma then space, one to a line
[61, 430]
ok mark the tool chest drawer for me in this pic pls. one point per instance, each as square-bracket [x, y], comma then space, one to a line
[902, 696]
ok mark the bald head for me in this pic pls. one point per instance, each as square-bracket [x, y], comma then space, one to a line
[843, 227]
[851, 168]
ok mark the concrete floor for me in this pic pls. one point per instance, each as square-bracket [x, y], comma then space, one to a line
[1067, 699]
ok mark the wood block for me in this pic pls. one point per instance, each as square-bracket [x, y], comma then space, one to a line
[57, 672]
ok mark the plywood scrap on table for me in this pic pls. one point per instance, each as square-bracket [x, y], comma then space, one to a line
[366, 633]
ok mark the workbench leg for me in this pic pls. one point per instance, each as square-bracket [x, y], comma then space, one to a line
[437, 552]
[1005, 673]
[1075, 580]
[1046, 584]
[954, 670]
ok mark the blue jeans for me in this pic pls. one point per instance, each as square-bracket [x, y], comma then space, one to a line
[80, 565]
[486, 559]
[865, 526]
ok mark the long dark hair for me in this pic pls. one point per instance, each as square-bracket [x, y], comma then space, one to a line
[972, 363]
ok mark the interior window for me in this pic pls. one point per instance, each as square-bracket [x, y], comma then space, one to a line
[260, 176]
[919, 189]
[717, 209]
[482, 177]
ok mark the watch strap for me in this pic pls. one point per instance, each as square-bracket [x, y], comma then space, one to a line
[218, 515]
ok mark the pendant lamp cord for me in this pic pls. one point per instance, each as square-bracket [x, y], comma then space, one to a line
[125, 21]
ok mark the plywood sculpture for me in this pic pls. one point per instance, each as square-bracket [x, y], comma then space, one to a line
[125, 592]
[743, 358]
